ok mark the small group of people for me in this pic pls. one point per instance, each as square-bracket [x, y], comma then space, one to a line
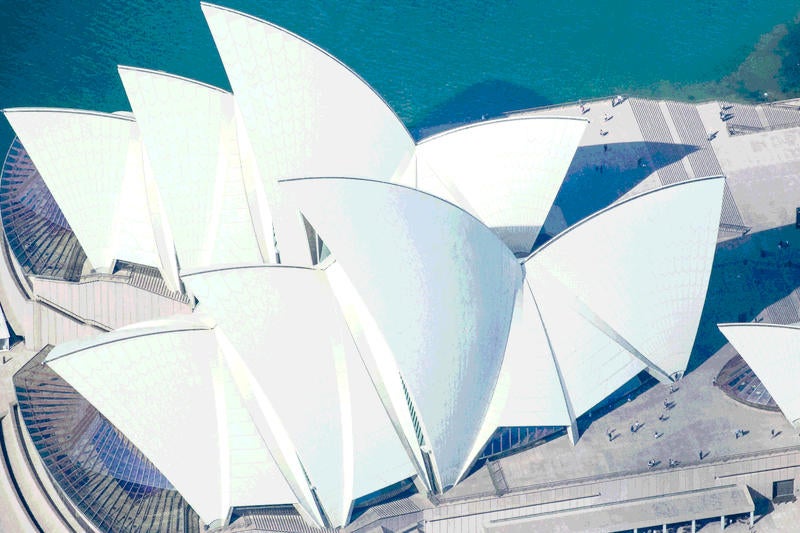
[635, 427]
[618, 99]
[740, 433]
[655, 462]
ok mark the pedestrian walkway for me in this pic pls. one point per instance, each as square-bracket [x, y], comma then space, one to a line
[691, 131]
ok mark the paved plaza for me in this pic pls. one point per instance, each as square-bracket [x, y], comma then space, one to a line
[703, 418]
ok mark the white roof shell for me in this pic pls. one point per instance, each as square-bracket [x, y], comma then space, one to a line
[425, 309]
[505, 172]
[385, 377]
[87, 160]
[773, 352]
[647, 287]
[589, 317]
[190, 131]
[316, 382]
[440, 286]
[306, 114]
[168, 389]
[94, 166]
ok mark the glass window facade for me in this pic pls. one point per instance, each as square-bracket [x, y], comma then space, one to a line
[37, 231]
[94, 466]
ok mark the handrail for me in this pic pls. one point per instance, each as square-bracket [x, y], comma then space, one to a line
[742, 129]
[778, 103]
[90, 278]
[71, 315]
[563, 104]
[734, 228]
[795, 105]
[20, 432]
[20, 497]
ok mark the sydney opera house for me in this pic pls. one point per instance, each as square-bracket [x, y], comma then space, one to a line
[272, 309]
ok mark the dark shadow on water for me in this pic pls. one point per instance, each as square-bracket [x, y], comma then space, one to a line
[749, 274]
[484, 100]
[601, 173]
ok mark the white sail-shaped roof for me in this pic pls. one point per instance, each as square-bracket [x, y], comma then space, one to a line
[288, 330]
[773, 352]
[382, 456]
[519, 399]
[255, 477]
[189, 130]
[528, 354]
[379, 458]
[306, 114]
[168, 390]
[638, 270]
[506, 172]
[92, 164]
[592, 364]
[440, 286]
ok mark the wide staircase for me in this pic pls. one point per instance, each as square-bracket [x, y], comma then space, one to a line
[149, 278]
[784, 311]
[656, 134]
[746, 118]
[696, 148]
[692, 132]
[273, 519]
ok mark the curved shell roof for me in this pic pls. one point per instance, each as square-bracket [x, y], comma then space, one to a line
[92, 164]
[773, 352]
[266, 313]
[407, 348]
[168, 390]
[306, 114]
[506, 172]
[647, 285]
[192, 140]
[440, 286]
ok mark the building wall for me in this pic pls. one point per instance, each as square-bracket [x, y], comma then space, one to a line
[758, 471]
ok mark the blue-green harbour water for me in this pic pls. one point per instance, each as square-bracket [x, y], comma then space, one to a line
[433, 62]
